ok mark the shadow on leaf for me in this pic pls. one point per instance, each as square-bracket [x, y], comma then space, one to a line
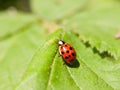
[103, 54]
[75, 64]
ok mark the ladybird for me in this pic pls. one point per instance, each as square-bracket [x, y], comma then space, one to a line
[67, 52]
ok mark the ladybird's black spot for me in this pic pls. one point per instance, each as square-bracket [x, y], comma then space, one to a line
[66, 57]
[73, 54]
[62, 52]
[69, 55]
[65, 45]
[67, 51]
[71, 48]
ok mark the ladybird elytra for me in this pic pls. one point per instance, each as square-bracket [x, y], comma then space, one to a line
[67, 52]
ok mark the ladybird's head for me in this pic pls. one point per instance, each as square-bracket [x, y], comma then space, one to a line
[60, 42]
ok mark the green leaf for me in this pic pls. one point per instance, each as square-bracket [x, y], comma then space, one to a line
[29, 57]
[102, 72]
[16, 53]
[46, 71]
[98, 27]
[12, 23]
[40, 66]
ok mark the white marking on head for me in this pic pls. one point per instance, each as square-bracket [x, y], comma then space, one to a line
[60, 42]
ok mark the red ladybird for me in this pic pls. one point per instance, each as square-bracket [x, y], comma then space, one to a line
[67, 52]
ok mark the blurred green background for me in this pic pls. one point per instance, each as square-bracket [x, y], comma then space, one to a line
[29, 34]
[23, 5]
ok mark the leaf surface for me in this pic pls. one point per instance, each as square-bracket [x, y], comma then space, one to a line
[53, 10]
[16, 53]
[98, 27]
[29, 57]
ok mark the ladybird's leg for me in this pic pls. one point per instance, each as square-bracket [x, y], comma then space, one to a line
[58, 54]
